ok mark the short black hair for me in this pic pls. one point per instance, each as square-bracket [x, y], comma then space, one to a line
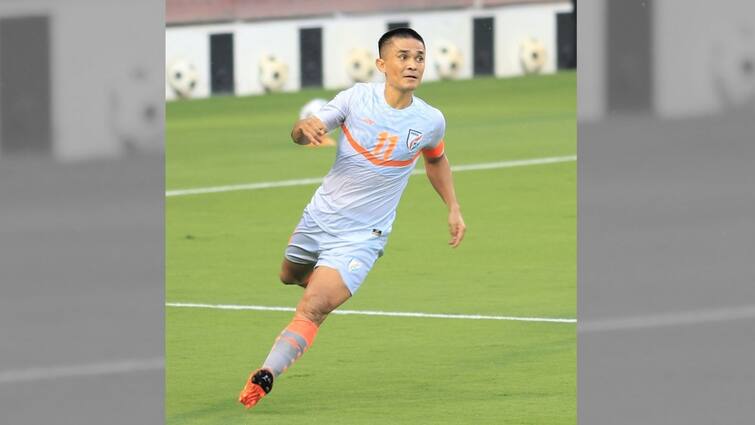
[398, 33]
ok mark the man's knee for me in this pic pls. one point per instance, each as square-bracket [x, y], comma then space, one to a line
[295, 274]
[288, 278]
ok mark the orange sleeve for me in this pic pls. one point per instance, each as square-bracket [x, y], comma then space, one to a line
[436, 152]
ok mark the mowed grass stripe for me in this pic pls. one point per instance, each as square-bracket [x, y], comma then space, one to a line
[318, 180]
[512, 374]
[525, 253]
[518, 259]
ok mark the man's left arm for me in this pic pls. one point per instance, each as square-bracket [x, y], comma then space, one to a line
[439, 172]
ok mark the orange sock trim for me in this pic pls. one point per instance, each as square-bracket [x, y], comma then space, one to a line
[304, 327]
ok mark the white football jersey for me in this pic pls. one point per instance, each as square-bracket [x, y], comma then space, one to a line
[377, 151]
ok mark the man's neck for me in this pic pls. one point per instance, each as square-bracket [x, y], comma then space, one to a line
[397, 99]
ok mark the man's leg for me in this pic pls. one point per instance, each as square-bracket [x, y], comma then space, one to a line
[323, 294]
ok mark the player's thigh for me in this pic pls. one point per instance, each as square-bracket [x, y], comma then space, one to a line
[300, 255]
[292, 272]
[324, 293]
[353, 261]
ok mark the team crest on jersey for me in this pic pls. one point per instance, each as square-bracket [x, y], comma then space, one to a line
[354, 265]
[412, 139]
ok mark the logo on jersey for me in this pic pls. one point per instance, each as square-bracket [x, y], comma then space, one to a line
[354, 265]
[412, 139]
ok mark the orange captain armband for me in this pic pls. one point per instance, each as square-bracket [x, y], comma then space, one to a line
[436, 152]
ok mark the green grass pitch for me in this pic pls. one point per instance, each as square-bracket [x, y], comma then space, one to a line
[518, 259]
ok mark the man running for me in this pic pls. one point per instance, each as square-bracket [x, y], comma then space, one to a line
[345, 227]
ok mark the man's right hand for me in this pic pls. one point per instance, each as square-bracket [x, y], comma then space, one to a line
[310, 130]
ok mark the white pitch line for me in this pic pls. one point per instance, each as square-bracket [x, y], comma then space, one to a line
[71, 371]
[669, 319]
[375, 313]
[318, 180]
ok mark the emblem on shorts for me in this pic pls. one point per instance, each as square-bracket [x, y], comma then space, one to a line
[412, 139]
[354, 265]
[376, 232]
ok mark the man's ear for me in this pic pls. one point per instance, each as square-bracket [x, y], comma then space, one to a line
[380, 63]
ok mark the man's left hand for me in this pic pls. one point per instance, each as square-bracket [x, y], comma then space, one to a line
[456, 227]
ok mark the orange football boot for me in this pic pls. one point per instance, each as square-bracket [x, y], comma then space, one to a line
[259, 384]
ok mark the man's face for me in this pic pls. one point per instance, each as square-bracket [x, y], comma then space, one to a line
[403, 63]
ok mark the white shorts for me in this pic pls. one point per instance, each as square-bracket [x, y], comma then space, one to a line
[310, 244]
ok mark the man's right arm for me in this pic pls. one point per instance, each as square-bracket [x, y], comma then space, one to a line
[314, 128]
[310, 130]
